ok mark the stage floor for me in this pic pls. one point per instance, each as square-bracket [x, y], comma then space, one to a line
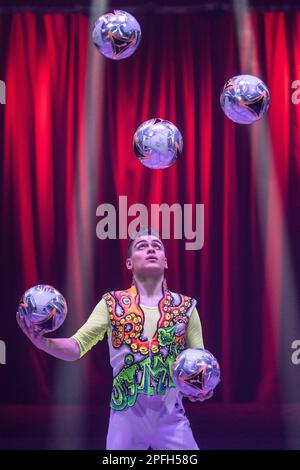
[215, 426]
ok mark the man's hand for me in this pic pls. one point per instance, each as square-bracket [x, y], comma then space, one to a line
[66, 349]
[201, 397]
[37, 338]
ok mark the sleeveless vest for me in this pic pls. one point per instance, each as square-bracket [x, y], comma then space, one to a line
[143, 365]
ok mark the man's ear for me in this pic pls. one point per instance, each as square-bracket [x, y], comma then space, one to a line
[166, 263]
[129, 264]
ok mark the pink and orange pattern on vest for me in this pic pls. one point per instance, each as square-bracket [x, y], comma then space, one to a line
[144, 366]
[127, 326]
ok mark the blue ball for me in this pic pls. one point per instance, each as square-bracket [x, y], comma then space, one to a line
[245, 99]
[196, 372]
[43, 308]
[157, 143]
[117, 35]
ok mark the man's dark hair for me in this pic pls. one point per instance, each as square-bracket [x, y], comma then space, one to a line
[143, 231]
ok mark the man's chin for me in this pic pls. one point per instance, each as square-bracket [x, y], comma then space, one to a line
[151, 270]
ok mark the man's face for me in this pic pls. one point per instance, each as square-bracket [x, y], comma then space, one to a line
[147, 256]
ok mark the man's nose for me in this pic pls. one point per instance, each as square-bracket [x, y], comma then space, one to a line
[151, 249]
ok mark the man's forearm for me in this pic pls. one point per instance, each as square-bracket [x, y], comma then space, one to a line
[66, 349]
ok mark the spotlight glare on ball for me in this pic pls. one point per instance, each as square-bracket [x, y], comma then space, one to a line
[116, 35]
[157, 143]
[196, 372]
[43, 308]
[245, 99]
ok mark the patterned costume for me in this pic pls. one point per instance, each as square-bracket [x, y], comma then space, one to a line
[146, 409]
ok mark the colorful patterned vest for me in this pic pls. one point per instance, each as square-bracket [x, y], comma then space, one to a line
[142, 365]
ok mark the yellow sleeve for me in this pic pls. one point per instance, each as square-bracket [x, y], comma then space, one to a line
[194, 337]
[93, 329]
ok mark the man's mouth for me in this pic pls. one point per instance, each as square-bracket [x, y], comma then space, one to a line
[149, 258]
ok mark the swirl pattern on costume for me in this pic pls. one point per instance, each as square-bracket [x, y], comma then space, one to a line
[127, 320]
